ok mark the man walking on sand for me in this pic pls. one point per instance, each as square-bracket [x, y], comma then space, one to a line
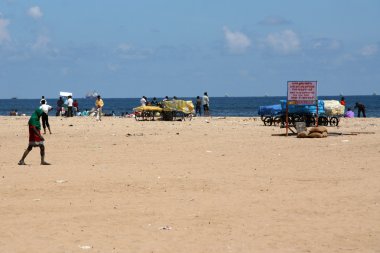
[99, 105]
[35, 137]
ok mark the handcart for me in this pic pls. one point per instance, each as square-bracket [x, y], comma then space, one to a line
[147, 113]
[333, 111]
[270, 114]
[329, 113]
[174, 110]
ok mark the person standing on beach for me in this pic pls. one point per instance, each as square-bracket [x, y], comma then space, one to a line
[342, 102]
[35, 137]
[143, 101]
[198, 104]
[154, 102]
[45, 117]
[206, 104]
[60, 103]
[361, 109]
[99, 106]
[76, 107]
[70, 102]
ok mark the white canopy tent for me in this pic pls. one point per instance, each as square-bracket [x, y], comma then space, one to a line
[65, 94]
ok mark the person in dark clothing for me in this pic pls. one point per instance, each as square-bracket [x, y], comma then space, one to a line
[198, 105]
[60, 103]
[361, 109]
[154, 102]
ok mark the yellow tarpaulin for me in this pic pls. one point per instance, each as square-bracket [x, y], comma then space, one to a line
[148, 108]
[179, 105]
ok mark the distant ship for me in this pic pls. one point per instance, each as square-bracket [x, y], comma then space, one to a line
[92, 94]
[374, 94]
[14, 98]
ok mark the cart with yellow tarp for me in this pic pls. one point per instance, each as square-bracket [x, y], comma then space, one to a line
[147, 112]
[167, 110]
[177, 110]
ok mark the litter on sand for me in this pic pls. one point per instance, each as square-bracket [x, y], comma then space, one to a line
[85, 247]
[165, 228]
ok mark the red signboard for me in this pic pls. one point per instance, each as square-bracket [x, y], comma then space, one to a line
[302, 92]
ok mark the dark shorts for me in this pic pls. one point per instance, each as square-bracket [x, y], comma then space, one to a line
[205, 107]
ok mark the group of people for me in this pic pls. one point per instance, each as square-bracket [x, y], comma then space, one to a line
[35, 137]
[71, 105]
[204, 101]
[349, 113]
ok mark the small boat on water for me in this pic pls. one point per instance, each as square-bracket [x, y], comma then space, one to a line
[14, 98]
[374, 94]
[92, 94]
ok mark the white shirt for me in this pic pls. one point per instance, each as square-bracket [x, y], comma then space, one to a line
[46, 108]
[205, 100]
[143, 101]
[70, 102]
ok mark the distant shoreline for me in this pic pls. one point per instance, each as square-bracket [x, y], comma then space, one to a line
[275, 96]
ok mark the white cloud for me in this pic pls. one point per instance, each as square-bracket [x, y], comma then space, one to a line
[124, 47]
[237, 42]
[369, 50]
[274, 21]
[41, 43]
[284, 42]
[113, 67]
[4, 35]
[127, 51]
[325, 43]
[35, 12]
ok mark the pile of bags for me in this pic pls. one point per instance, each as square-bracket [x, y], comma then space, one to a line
[333, 107]
[314, 132]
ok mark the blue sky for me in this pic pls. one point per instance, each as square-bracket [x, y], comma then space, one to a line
[127, 48]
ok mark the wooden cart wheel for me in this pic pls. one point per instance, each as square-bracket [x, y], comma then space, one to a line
[267, 121]
[334, 121]
[323, 121]
[277, 120]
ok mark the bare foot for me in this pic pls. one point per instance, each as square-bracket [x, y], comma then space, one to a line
[21, 162]
[45, 163]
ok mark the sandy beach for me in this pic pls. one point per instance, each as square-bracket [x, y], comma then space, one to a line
[206, 185]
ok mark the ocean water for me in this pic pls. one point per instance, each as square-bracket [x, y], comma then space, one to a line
[219, 106]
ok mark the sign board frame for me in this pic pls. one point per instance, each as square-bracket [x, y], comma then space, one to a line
[301, 93]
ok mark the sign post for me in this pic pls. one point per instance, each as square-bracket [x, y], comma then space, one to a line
[301, 93]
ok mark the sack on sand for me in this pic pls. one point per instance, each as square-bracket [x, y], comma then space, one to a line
[320, 129]
[315, 135]
[324, 134]
[302, 134]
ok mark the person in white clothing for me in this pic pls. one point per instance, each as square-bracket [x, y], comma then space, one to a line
[206, 104]
[45, 117]
[143, 101]
[70, 102]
